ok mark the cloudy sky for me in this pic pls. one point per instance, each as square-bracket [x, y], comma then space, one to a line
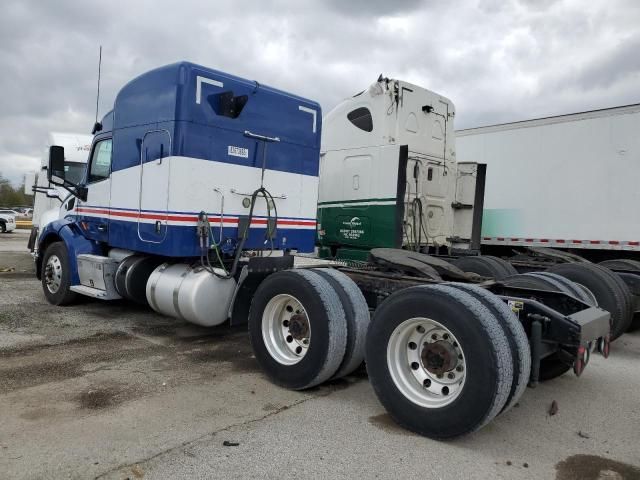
[498, 60]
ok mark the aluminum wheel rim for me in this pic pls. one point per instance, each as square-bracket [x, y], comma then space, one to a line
[286, 330]
[409, 344]
[53, 274]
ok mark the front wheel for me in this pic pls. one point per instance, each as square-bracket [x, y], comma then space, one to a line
[3, 227]
[56, 275]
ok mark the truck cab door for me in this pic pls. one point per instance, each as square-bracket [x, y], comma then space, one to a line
[94, 212]
[154, 186]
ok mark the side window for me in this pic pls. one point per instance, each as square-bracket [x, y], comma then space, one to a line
[361, 118]
[100, 161]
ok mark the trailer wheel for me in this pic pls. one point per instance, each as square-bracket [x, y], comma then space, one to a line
[624, 264]
[555, 364]
[621, 264]
[357, 315]
[56, 275]
[438, 360]
[610, 291]
[565, 285]
[518, 340]
[297, 328]
[486, 265]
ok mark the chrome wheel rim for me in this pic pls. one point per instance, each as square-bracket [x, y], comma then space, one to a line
[426, 362]
[53, 274]
[286, 330]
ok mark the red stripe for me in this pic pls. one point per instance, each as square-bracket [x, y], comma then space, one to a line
[576, 241]
[189, 218]
[500, 239]
[544, 240]
[515, 239]
[635, 244]
[594, 242]
[528, 239]
[614, 242]
[486, 238]
[559, 241]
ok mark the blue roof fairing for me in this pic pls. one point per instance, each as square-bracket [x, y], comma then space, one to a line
[185, 99]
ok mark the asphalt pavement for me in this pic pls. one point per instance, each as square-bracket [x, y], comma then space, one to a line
[114, 391]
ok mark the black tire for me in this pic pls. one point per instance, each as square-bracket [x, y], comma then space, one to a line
[3, 227]
[489, 367]
[326, 319]
[518, 340]
[565, 285]
[610, 291]
[621, 264]
[357, 315]
[555, 364]
[62, 295]
[486, 265]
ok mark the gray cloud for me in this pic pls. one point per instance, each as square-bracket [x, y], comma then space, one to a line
[373, 8]
[497, 60]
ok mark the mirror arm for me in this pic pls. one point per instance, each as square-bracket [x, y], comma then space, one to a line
[75, 190]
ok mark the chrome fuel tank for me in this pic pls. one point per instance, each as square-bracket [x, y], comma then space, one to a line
[192, 294]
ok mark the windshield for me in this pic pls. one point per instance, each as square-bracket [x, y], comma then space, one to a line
[74, 171]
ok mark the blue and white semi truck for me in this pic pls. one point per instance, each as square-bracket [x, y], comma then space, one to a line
[200, 199]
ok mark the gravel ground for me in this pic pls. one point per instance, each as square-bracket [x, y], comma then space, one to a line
[113, 390]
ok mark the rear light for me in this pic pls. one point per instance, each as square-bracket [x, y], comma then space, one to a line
[582, 358]
[604, 345]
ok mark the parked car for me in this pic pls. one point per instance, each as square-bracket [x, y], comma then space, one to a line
[7, 221]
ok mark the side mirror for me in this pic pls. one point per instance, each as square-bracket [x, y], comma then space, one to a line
[55, 172]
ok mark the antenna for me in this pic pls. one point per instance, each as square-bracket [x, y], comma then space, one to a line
[97, 126]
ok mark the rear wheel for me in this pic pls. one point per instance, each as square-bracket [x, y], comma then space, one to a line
[518, 341]
[357, 315]
[56, 275]
[486, 265]
[438, 360]
[555, 364]
[3, 227]
[610, 291]
[621, 264]
[297, 328]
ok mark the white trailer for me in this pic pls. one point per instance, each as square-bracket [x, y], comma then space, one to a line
[568, 182]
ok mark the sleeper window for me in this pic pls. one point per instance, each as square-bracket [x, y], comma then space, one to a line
[361, 118]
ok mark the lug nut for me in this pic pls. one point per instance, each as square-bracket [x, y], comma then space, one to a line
[451, 375]
[426, 383]
[412, 346]
[285, 323]
[445, 336]
[289, 339]
[459, 368]
[420, 329]
[415, 365]
[439, 375]
[434, 336]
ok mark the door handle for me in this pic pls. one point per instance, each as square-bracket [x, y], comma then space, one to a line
[102, 227]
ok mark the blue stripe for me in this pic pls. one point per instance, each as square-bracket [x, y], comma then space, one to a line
[181, 241]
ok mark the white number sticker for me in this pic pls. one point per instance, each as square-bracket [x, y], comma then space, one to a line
[238, 152]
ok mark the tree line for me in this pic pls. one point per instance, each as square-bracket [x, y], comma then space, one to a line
[11, 196]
